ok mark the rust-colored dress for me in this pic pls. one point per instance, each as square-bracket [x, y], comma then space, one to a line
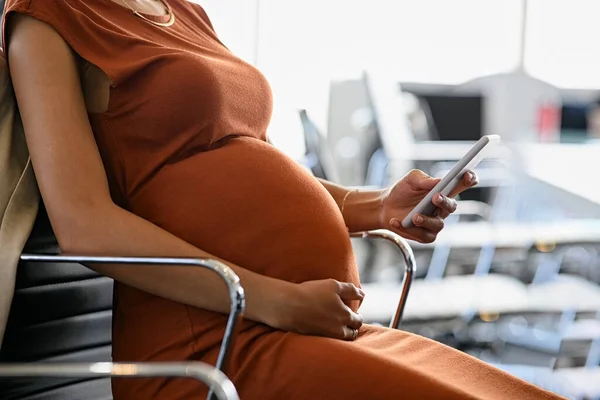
[184, 146]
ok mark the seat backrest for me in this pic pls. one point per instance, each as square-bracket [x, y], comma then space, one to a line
[318, 153]
[62, 313]
[59, 313]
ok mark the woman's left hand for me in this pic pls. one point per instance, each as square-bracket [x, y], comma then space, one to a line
[399, 200]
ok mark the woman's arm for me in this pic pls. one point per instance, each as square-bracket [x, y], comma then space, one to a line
[74, 187]
[361, 208]
[384, 209]
[73, 183]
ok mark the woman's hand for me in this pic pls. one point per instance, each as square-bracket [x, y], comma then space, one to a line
[321, 308]
[398, 201]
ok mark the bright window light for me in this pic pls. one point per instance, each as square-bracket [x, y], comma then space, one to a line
[235, 23]
[436, 41]
[562, 42]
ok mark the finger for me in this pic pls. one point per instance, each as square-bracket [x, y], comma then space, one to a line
[444, 203]
[349, 333]
[417, 234]
[471, 179]
[432, 224]
[419, 180]
[442, 213]
[468, 180]
[347, 291]
[352, 319]
[361, 300]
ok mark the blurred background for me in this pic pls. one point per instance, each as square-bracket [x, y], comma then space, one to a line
[367, 90]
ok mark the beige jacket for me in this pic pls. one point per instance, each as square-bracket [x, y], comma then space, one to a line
[19, 196]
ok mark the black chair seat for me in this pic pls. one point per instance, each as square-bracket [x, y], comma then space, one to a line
[60, 313]
[97, 389]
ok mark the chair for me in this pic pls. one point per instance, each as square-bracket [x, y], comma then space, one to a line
[318, 158]
[61, 316]
[580, 381]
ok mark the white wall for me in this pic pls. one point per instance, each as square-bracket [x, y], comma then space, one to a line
[235, 23]
[562, 42]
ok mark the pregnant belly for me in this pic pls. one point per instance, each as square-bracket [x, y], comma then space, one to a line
[249, 204]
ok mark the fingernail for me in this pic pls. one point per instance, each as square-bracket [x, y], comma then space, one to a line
[362, 292]
[471, 177]
[440, 197]
[418, 219]
[395, 223]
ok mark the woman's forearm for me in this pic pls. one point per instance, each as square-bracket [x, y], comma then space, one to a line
[361, 208]
[121, 233]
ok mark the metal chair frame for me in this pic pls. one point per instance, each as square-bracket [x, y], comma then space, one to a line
[215, 377]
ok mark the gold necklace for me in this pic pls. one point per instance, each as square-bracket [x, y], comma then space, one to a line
[142, 16]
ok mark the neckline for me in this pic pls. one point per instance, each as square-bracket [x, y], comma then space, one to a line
[164, 18]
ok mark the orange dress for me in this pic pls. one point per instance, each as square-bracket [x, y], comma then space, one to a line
[184, 146]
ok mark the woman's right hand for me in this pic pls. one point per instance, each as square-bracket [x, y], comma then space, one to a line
[320, 308]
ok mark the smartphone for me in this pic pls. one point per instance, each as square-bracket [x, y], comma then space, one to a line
[449, 182]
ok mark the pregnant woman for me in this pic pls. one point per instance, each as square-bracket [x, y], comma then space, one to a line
[148, 139]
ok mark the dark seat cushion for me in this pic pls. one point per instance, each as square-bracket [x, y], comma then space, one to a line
[62, 313]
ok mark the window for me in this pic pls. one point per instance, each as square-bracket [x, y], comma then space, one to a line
[426, 40]
[303, 44]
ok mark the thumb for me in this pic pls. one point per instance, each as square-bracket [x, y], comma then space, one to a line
[419, 180]
[347, 291]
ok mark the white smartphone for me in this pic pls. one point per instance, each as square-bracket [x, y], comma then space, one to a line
[449, 182]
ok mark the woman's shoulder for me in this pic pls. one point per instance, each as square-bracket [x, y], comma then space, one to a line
[83, 24]
[35, 6]
[13, 4]
[52, 12]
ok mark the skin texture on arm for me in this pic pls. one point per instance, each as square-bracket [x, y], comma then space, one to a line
[86, 221]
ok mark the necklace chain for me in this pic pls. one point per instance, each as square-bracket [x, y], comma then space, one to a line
[142, 16]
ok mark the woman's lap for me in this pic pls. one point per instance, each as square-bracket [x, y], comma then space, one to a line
[380, 364]
[268, 364]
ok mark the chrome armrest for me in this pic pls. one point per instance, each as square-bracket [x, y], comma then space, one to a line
[220, 385]
[410, 266]
[236, 292]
